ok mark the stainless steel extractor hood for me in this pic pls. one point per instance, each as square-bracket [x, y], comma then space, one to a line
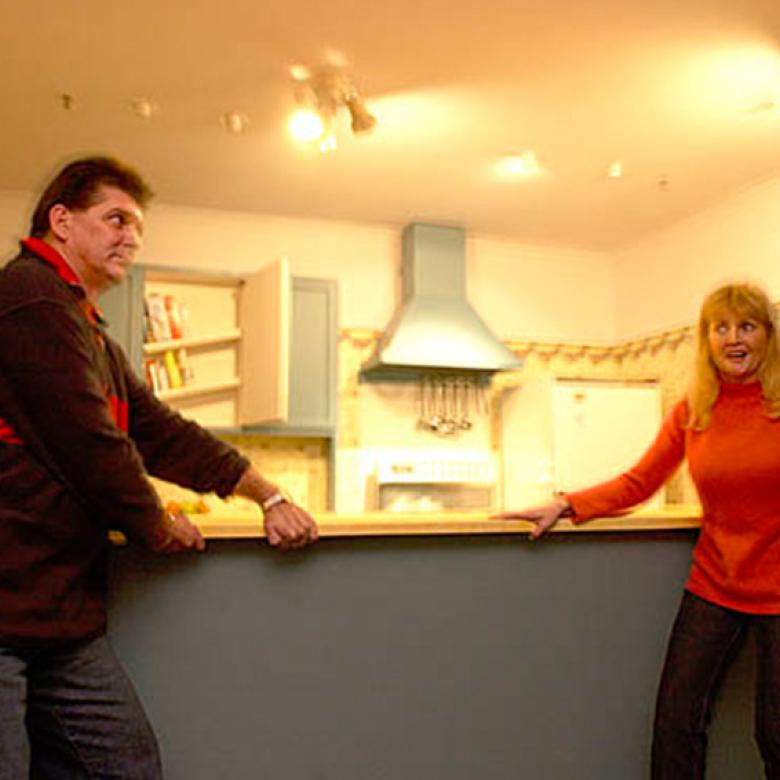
[435, 327]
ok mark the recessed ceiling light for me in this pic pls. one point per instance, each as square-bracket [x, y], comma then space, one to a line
[773, 104]
[235, 122]
[520, 165]
[615, 170]
[335, 58]
[145, 108]
[300, 72]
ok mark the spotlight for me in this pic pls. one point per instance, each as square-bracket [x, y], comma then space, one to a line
[306, 125]
[320, 95]
[362, 120]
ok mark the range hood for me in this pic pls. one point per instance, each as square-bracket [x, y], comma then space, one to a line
[435, 327]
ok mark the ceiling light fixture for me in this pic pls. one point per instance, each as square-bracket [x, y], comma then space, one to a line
[144, 108]
[520, 165]
[235, 122]
[320, 95]
[772, 104]
[769, 105]
[362, 120]
[306, 125]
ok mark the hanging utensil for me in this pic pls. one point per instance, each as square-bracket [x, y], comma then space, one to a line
[464, 423]
[446, 427]
[422, 420]
[436, 419]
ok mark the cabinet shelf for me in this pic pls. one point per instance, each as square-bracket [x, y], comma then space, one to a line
[192, 391]
[226, 337]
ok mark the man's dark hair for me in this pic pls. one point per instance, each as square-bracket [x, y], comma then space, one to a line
[76, 186]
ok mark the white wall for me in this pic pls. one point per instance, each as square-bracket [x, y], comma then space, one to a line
[522, 291]
[362, 258]
[661, 280]
[533, 293]
[15, 213]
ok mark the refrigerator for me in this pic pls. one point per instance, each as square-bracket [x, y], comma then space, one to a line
[560, 435]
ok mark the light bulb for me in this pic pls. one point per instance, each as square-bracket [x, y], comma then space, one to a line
[306, 125]
[328, 143]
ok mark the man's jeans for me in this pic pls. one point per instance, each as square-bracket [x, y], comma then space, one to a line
[702, 644]
[72, 713]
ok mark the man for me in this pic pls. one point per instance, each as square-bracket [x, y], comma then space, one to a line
[78, 434]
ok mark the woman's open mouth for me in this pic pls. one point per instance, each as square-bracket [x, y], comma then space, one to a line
[736, 354]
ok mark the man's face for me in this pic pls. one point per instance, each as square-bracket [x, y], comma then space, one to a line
[101, 241]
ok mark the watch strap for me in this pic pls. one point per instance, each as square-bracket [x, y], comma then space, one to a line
[272, 501]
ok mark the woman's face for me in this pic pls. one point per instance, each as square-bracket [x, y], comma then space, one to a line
[737, 345]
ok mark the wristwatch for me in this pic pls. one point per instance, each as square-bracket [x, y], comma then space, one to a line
[272, 501]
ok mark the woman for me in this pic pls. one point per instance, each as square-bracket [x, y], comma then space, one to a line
[728, 428]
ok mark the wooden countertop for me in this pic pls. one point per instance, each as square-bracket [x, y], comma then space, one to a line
[247, 525]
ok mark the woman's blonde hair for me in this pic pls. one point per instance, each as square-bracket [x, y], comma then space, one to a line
[744, 300]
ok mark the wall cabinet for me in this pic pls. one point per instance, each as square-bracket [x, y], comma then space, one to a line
[313, 348]
[261, 348]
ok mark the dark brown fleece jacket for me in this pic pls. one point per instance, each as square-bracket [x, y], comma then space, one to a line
[66, 392]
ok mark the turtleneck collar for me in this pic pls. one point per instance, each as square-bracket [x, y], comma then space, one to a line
[741, 389]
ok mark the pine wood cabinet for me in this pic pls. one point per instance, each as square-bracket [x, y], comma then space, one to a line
[261, 349]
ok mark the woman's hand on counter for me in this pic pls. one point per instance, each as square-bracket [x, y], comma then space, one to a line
[543, 517]
[288, 526]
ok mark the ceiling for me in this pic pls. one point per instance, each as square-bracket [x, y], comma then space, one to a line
[680, 91]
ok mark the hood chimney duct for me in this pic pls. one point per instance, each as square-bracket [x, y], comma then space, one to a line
[435, 328]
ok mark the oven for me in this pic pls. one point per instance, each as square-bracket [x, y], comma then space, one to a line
[431, 481]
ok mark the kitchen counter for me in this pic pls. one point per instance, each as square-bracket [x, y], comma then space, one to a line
[435, 646]
[247, 524]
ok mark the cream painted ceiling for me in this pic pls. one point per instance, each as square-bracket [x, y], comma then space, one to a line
[680, 91]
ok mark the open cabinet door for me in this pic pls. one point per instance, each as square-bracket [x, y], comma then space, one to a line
[264, 314]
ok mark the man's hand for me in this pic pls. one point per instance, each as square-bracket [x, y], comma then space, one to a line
[183, 534]
[289, 527]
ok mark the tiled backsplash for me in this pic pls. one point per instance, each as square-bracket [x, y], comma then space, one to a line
[372, 416]
[664, 358]
[300, 465]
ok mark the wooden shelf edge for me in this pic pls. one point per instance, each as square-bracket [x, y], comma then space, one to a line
[177, 275]
[192, 391]
[156, 347]
[292, 430]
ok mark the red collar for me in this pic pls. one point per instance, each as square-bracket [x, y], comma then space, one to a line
[52, 257]
[48, 253]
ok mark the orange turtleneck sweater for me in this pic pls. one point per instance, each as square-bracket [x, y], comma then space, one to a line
[735, 465]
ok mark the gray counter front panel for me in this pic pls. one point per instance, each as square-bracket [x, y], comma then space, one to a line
[413, 658]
